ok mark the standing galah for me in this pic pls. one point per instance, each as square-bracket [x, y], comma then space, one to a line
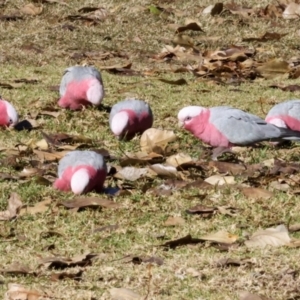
[130, 117]
[81, 172]
[285, 114]
[8, 114]
[80, 86]
[224, 127]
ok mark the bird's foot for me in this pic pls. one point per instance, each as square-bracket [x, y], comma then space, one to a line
[219, 151]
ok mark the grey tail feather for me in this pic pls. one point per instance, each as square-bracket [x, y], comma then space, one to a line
[290, 135]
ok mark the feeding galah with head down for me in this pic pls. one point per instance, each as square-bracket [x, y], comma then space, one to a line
[223, 127]
[285, 114]
[81, 172]
[8, 114]
[81, 86]
[130, 117]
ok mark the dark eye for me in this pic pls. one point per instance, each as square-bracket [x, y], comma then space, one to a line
[188, 118]
[10, 121]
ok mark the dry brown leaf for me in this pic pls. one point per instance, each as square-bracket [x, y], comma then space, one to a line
[189, 25]
[220, 180]
[220, 237]
[162, 170]
[186, 240]
[17, 269]
[226, 167]
[50, 156]
[19, 292]
[124, 294]
[31, 9]
[131, 173]
[140, 158]
[42, 144]
[244, 295]
[90, 202]
[39, 207]
[81, 260]
[156, 140]
[292, 11]
[257, 193]
[214, 9]
[183, 40]
[178, 159]
[274, 237]
[174, 221]
[65, 275]
[13, 209]
[273, 68]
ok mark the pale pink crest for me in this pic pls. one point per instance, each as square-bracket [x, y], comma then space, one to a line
[80, 181]
[119, 122]
[95, 92]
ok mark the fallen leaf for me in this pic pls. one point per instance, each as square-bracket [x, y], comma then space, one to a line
[204, 211]
[64, 275]
[124, 294]
[162, 170]
[39, 207]
[63, 263]
[189, 25]
[230, 168]
[156, 140]
[220, 180]
[90, 202]
[214, 9]
[220, 237]
[227, 262]
[274, 237]
[183, 40]
[182, 241]
[292, 11]
[294, 228]
[178, 159]
[180, 81]
[174, 221]
[50, 156]
[288, 88]
[131, 173]
[17, 269]
[268, 36]
[31, 9]
[257, 193]
[273, 68]
[140, 158]
[13, 209]
[19, 292]
[244, 295]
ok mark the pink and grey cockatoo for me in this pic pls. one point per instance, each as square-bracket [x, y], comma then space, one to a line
[285, 114]
[223, 127]
[8, 114]
[130, 117]
[81, 172]
[81, 86]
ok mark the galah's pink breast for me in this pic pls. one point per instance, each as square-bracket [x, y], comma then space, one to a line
[201, 128]
[97, 178]
[76, 95]
[3, 114]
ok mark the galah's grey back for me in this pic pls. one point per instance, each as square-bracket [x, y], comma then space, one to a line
[242, 128]
[139, 106]
[290, 108]
[78, 73]
[76, 158]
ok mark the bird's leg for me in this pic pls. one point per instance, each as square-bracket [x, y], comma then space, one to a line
[219, 151]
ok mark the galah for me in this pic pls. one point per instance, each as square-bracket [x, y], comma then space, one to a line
[130, 117]
[81, 172]
[79, 87]
[285, 114]
[8, 114]
[223, 127]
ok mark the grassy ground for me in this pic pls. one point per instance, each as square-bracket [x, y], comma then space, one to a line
[41, 47]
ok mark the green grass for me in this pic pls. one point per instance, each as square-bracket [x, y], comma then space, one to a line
[37, 47]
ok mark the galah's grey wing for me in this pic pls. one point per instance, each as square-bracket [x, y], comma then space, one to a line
[66, 79]
[241, 128]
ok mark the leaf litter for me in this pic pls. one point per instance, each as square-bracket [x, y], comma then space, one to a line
[203, 59]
